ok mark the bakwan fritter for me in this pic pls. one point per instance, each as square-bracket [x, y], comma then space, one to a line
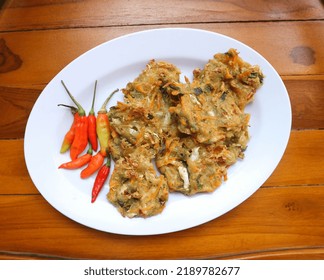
[193, 131]
[134, 187]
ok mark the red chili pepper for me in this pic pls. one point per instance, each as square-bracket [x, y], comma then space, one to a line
[94, 164]
[80, 141]
[92, 133]
[79, 162]
[69, 136]
[103, 130]
[100, 179]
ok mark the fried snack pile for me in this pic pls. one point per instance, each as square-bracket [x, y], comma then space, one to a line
[193, 131]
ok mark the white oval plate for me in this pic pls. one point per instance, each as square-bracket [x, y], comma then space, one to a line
[117, 62]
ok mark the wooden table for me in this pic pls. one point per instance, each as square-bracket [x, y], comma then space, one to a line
[284, 219]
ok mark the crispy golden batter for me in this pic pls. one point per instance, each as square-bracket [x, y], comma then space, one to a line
[138, 128]
[193, 130]
[227, 73]
[135, 189]
[132, 127]
[212, 106]
[190, 167]
[144, 117]
[210, 118]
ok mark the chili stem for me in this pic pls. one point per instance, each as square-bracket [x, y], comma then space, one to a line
[68, 106]
[80, 109]
[73, 109]
[103, 109]
[93, 99]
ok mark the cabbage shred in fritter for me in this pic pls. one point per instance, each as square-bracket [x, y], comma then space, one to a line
[193, 131]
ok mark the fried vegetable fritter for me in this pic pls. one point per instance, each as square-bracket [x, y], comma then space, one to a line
[144, 117]
[227, 73]
[194, 131]
[135, 189]
[212, 106]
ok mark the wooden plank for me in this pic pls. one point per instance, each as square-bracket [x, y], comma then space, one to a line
[42, 59]
[31, 15]
[284, 220]
[26, 256]
[285, 254]
[307, 100]
[304, 155]
[15, 105]
[14, 176]
[303, 161]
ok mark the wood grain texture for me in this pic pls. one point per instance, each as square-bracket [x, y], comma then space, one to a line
[37, 14]
[15, 105]
[9, 255]
[303, 161]
[42, 59]
[315, 253]
[307, 101]
[284, 220]
[14, 176]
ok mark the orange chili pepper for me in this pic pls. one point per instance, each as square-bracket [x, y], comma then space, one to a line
[80, 141]
[69, 136]
[94, 164]
[100, 179]
[78, 162]
[92, 133]
[102, 124]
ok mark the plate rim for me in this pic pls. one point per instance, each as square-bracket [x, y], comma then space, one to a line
[139, 33]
